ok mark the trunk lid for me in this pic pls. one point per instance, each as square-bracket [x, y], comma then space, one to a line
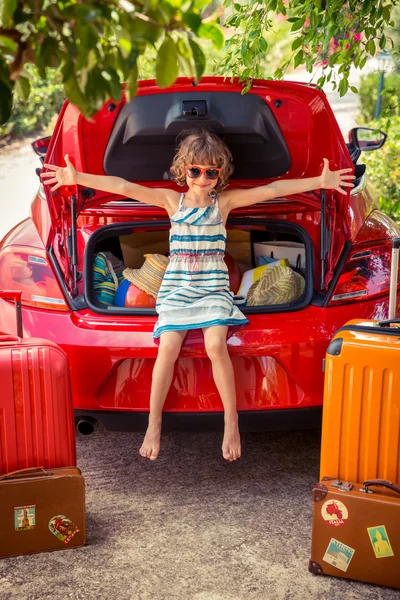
[278, 130]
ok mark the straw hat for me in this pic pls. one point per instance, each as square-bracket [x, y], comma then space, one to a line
[279, 285]
[150, 275]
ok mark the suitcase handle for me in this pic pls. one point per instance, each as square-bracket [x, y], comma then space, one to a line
[22, 472]
[388, 322]
[383, 483]
[14, 295]
[6, 339]
[394, 272]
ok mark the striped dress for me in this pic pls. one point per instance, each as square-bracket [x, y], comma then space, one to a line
[195, 290]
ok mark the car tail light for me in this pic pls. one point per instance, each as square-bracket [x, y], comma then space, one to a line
[366, 274]
[27, 270]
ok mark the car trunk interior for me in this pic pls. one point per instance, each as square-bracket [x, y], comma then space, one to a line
[247, 241]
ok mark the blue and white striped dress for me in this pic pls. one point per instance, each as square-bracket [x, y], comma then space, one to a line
[195, 290]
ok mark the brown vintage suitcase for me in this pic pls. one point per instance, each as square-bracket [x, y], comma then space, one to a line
[361, 413]
[356, 531]
[41, 511]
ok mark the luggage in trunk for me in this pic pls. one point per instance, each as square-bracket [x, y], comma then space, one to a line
[41, 511]
[356, 531]
[36, 414]
[361, 414]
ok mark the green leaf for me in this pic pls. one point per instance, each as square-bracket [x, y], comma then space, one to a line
[211, 31]
[114, 84]
[243, 49]
[132, 85]
[382, 42]
[9, 7]
[192, 20]
[262, 45]
[370, 47]
[297, 43]
[298, 59]
[74, 95]
[298, 24]
[343, 87]
[198, 58]
[7, 43]
[5, 102]
[167, 63]
[314, 19]
[23, 87]
[354, 89]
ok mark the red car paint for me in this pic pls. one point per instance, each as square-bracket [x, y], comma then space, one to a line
[278, 357]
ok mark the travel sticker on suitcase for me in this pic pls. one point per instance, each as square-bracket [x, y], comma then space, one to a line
[380, 541]
[338, 555]
[334, 512]
[24, 517]
[63, 528]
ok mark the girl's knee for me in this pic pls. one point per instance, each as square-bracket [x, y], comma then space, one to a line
[169, 350]
[216, 348]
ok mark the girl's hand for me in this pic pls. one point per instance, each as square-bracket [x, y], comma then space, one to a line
[336, 180]
[60, 175]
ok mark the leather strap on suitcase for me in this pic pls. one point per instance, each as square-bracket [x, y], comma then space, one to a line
[42, 510]
[356, 531]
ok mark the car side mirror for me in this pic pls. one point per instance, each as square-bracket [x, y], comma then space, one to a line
[366, 139]
[41, 145]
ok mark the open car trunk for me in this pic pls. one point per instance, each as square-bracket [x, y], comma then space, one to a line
[279, 130]
[247, 241]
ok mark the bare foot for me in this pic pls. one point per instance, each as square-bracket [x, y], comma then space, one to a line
[151, 443]
[231, 442]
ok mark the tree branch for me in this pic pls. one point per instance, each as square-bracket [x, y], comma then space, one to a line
[11, 34]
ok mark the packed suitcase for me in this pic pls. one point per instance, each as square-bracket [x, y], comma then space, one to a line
[42, 511]
[361, 410]
[356, 526]
[356, 531]
[42, 496]
[37, 423]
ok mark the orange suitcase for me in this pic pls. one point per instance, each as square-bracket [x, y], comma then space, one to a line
[361, 414]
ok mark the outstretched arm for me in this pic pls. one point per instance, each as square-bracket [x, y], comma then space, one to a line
[328, 180]
[58, 176]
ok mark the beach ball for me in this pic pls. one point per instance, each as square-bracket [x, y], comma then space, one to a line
[130, 296]
[235, 276]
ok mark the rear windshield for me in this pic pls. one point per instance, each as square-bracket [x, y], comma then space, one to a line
[143, 140]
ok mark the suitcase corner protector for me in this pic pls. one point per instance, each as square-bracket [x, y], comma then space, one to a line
[319, 492]
[315, 568]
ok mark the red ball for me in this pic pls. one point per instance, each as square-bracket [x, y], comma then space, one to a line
[136, 298]
[235, 275]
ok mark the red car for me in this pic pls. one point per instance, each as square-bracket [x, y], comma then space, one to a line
[277, 130]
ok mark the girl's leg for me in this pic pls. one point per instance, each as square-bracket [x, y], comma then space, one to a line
[217, 351]
[170, 346]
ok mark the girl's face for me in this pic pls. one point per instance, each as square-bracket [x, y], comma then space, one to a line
[201, 185]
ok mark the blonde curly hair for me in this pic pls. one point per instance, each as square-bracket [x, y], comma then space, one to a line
[201, 147]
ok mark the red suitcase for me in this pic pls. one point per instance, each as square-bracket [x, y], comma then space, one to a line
[36, 414]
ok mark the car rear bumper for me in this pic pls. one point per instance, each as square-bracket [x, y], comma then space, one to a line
[277, 358]
[251, 420]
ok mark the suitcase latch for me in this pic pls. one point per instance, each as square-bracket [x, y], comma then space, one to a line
[343, 486]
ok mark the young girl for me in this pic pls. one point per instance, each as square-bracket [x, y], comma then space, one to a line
[195, 291]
